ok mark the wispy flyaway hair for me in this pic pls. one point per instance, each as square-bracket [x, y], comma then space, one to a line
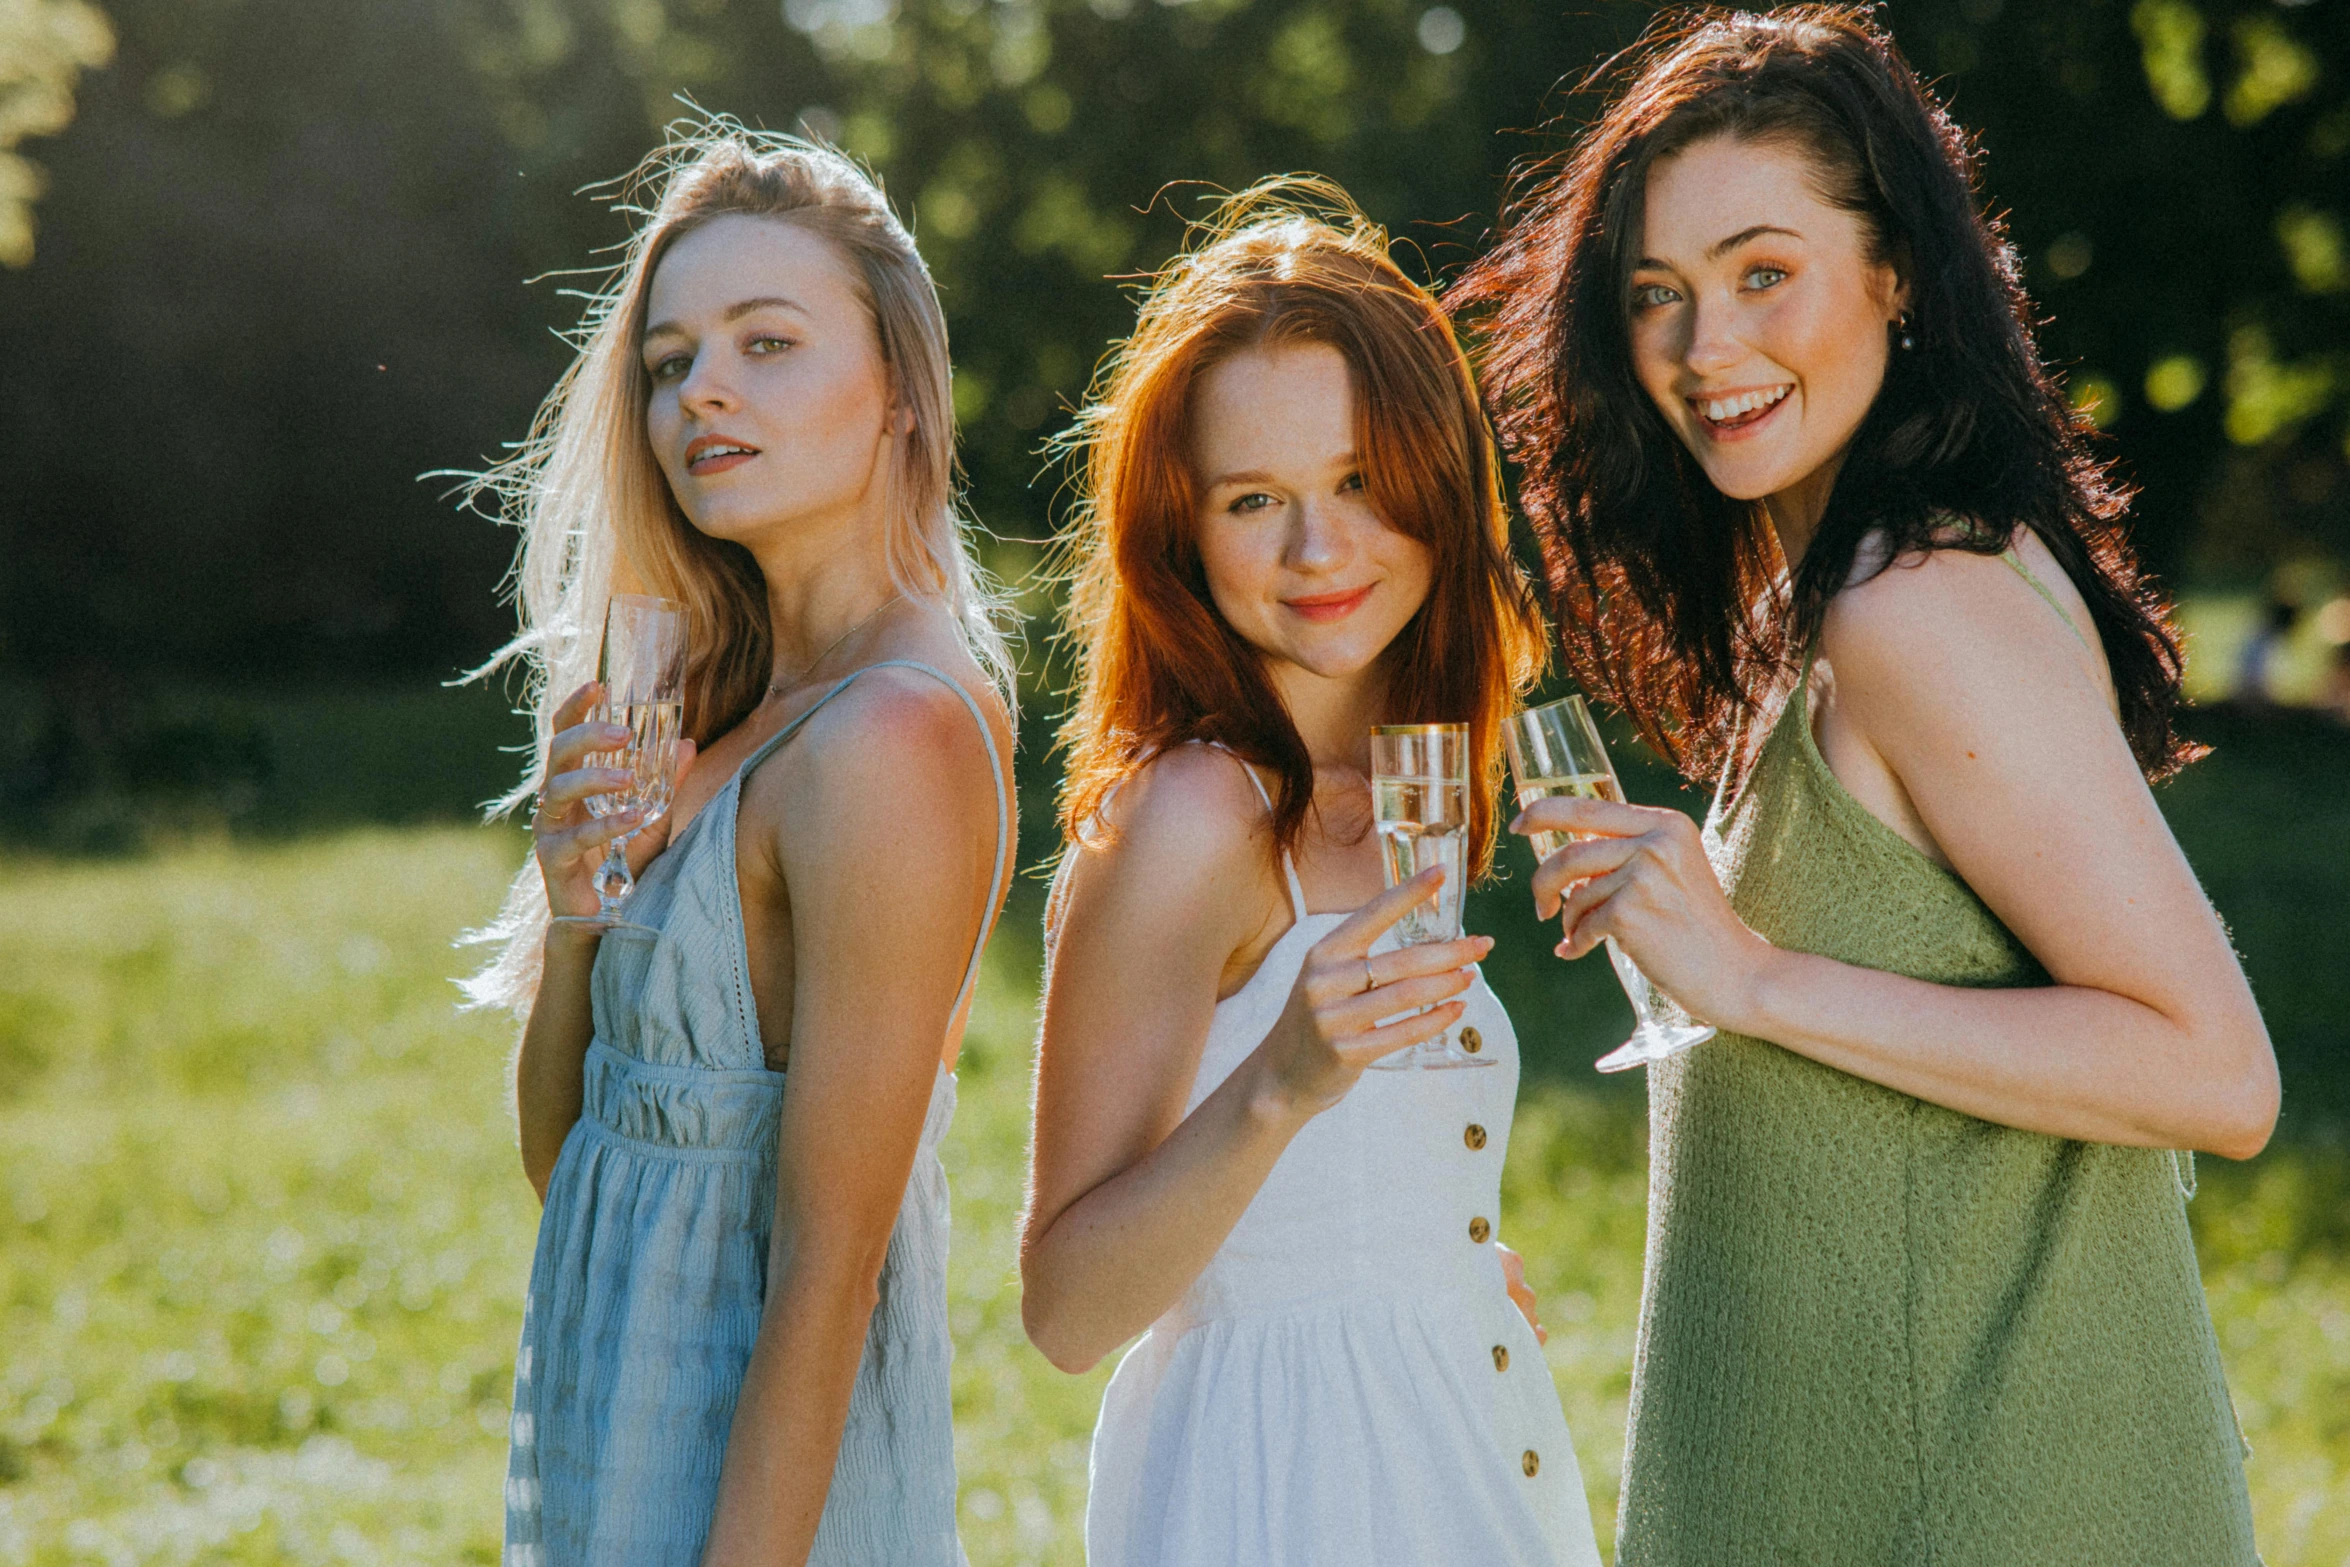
[596, 514]
[1667, 591]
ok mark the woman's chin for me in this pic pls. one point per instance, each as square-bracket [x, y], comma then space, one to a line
[727, 519]
[1745, 481]
[1312, 656]
[1339, 661]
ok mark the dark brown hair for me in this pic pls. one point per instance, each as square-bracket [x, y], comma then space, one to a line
[1667, 591]
[1290, 261]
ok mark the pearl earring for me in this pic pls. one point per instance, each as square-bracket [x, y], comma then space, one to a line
[1901, 326]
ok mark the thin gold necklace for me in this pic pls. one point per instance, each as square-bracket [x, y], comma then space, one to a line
[778, 687]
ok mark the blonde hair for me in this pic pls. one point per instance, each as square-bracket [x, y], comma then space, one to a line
[597, 515]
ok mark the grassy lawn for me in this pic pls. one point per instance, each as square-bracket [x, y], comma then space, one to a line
[263, 1235]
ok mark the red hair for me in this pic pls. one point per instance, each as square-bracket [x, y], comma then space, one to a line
[1290, 261]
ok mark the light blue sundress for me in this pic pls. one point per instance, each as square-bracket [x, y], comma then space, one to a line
[651, 1268]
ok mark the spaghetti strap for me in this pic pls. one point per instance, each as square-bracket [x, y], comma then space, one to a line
[1297, 891]
[995, 766]
[2016, 562]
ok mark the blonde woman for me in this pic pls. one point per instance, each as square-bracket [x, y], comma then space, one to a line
[735, 1344]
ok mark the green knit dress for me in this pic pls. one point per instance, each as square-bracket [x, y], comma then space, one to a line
[1877, 1331]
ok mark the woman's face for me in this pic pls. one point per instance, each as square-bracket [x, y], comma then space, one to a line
[1758, 320]
[1297, 560]
[770, 408]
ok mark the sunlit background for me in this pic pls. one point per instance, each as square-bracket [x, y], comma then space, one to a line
[265, 265]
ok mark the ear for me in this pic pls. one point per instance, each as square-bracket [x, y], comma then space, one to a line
[1894, 290]
[901, 420]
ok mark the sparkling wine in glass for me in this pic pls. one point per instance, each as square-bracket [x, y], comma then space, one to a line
[1420, 800]
[1555, 749]
[644, 692]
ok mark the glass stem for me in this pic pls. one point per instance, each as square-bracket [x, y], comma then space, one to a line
[613, 881]
[1635, 986]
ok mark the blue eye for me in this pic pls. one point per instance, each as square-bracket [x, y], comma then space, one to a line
[1254, 500]
[1646, 296]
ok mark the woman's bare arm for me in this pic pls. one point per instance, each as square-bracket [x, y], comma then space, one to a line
[883, 830]
[1129, 1198]
[2000, 734]
[550, 1065]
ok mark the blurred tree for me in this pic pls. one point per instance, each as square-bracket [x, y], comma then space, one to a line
[45, 45]
[286, 244]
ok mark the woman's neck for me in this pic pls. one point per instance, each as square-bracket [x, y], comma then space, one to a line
[817, 597]
[1334, 717]
[1795, 511]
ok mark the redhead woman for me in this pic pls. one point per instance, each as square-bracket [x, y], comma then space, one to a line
[1919, 1285]
[735, 1346]
[1291, 532]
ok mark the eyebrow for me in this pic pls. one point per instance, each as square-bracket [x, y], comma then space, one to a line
[734, 312]
[1258, 476]
[1722, 247]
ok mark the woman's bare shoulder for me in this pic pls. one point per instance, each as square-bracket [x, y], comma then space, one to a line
[1184, 831]
[1956, 631]
[1928, 599]
[895, 755]
[1189, 801]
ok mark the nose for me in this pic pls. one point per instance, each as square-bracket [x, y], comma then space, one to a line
[1317, 537]
[705, 389]
[1713, 347]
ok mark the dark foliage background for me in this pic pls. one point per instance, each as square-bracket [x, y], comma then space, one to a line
[285, 259]
[282, 261]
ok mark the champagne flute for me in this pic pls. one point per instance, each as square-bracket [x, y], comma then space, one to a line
[644, 692]
[1555, 749]
[1420, 799]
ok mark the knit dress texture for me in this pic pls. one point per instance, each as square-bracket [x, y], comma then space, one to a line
[651, 1270]
[1876, 1331]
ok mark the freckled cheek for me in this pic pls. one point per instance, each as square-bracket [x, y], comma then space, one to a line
[1411, 567]
[1239, 574]
[1653, 368]
[1839, 363]
[828, 410]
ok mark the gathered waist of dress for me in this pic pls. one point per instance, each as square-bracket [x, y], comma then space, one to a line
[679, 1111]
[1444, 1290]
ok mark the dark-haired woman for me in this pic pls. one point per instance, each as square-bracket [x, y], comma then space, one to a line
[1919, 1285]
[1292, 532]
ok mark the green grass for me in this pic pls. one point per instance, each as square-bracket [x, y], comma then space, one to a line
[263, 1235]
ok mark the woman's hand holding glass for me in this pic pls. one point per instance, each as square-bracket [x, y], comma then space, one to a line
[1638, 875]
[1349, 1006]
[569, 838]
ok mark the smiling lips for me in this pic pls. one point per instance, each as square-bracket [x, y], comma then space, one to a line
[1733, 413]
[1330, 606]
[709, 454]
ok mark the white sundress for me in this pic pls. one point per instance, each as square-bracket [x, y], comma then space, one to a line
[1347, 1381]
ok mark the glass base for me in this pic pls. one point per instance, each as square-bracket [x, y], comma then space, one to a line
[1431, 1055]
[603, 922]
[1653, 1042]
